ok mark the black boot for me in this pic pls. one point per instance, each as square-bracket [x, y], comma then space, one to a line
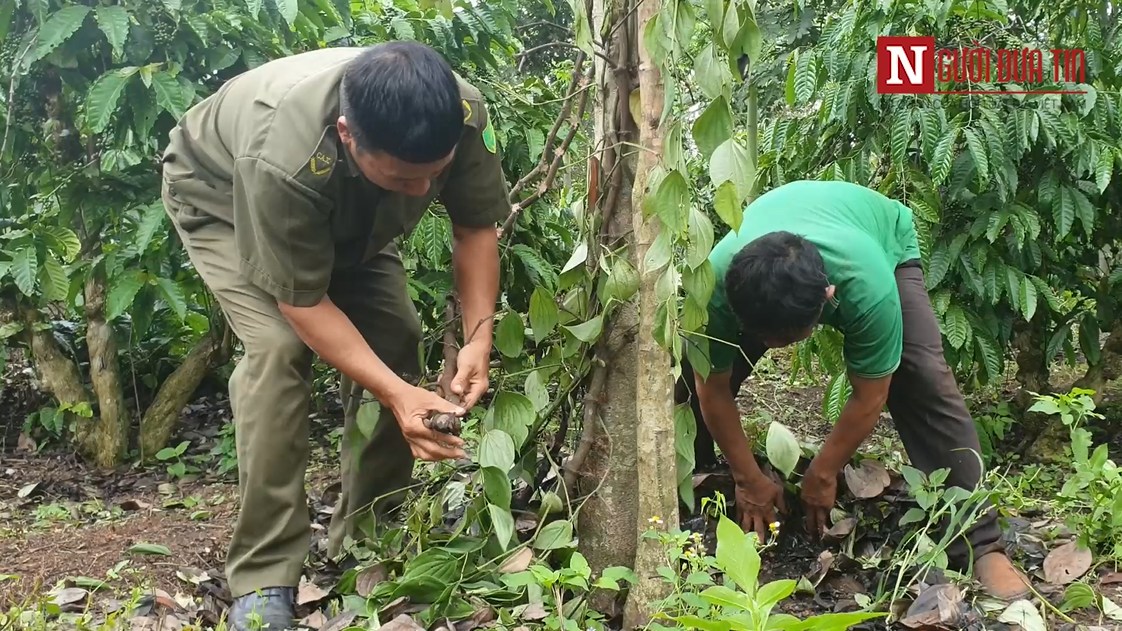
[268, 609]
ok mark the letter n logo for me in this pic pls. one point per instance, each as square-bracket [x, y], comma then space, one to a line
[905, 65]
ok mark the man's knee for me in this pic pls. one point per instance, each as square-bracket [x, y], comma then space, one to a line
[274, 346]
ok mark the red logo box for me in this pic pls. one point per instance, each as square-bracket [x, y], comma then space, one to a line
[905, 65]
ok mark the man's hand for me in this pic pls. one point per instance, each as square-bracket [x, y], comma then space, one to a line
[819, 492]
[472, 366]
[757, 501]
[411, 406]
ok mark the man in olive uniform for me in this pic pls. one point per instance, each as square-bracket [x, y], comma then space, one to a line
[836, 253]
[288, 187]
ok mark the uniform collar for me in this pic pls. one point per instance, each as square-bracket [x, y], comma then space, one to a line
[350, 168]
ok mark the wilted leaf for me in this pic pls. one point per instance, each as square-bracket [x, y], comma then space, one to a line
[1067, 564]
[131, 505]
[71, 598]
[534, 612]
[401, 623]
[1111, 609]
[1111, 579]
[314, 621]
[151, 549]
[868, 480]
[26, 443]
[1023, 614]
[517, 563]
[341, 621]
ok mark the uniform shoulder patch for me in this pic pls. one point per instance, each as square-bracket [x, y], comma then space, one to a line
[467, 111]
[320, 164]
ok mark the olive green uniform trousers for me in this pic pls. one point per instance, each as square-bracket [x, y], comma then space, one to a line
[270, 393]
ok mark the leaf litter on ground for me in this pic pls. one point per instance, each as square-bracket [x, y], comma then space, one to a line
[1067, 563]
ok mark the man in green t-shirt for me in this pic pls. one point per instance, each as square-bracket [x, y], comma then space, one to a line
[836, 253]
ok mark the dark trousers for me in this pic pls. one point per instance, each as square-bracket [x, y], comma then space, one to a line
[924, 400]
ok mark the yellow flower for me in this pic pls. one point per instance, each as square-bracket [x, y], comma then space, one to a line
[774, 527]
[655, 520]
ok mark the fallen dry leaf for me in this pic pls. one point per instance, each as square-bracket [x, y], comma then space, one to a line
[821, 567]
[131, 505]
[309, 593]
[842, 529]
[402, 623]
[1067, 563]
[534, 612]
[26, 443]
[518, 562]
[340, 622]
[868, 480]
[1111, 579]
[71, 598]
[315, 621]
[526, 523]
[369, 578]
[482, 616]
[937, 608]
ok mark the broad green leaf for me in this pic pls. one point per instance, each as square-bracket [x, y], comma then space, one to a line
[712, 76]
[101, 100]
[1104, 169]
[704, 624]
[554, 536]
[503, 522]
[977, 151]
[510, 335]
[623, 279]
[496, 486]
[150, 549]
[701, 238]
[726, 201]
[731, 162]
[122, 292]
[656, 41]
[699, 283]
[737, 555]
[496, 449]
[254, 7]
[670, 201]
[806, 76]
[172, 294]
[57, 29]
[1063, 209]
[1046, 291]
[587, 332]
[1077, 596]
[713, 128]
[582, 30]
[55, 283]
[730, 27]
[579, 256]
[512, 413]
[792, 64]
[25, 264]
[658, 255]
[173, 5]
[8, 329]
[171, 95]
[901, 137]
[943, 158]
[536, 390]
[749, 41]
[62, 241]
[774, 592]
[834, 621]
[782, 448]
[923, 210]
[543, 313]
[837, 394]
[151, 219]
[114, 23]
[1027, 297]
[288, 10]
[992, 359]
[958, 327]
[366, 418]
[1084, 210]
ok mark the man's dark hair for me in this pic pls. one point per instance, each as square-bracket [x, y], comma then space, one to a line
[777, 284]
[402, 98]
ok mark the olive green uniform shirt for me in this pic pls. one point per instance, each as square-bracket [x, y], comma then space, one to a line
[263, 155]
[862, 237]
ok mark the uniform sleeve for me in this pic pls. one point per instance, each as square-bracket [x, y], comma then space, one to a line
[476, 192]
[283, 239]
[874, 342]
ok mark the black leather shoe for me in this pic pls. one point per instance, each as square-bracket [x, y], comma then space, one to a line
[268, 609]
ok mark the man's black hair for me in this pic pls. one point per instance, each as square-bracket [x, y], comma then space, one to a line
[777, 284]
[402, 98]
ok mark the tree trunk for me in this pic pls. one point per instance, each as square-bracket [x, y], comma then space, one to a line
[608, 519]
[1032, 367]
[108, 438]
[654, 397]
[162, 415]
[1107, 369]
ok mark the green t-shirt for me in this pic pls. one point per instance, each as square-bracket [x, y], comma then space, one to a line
[862, 236]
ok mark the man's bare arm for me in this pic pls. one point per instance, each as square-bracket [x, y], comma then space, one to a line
[856, 422]
[721, 416]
